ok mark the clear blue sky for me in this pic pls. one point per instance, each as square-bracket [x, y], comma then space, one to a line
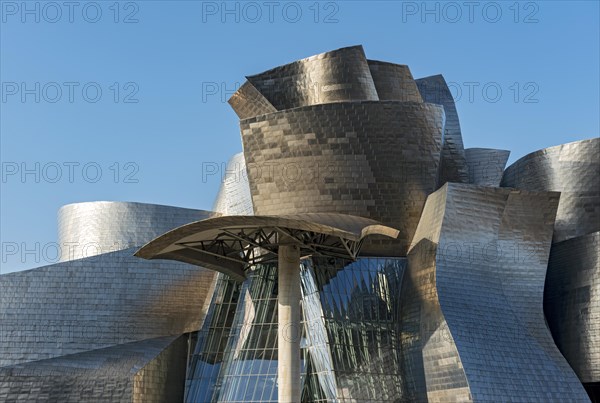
[178, 52]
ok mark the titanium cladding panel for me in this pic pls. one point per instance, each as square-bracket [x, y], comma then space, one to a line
[394, 82]
[93, 228]
[339, 75]
[473, 323]
[247, 102]
[453, 165]
[572, 303]
[572, 286]
[141, 372]
[234, 194]
[572, 169]
[486, 165]
[98, 302]
[460, 319]
[106, 327]
[370, 159]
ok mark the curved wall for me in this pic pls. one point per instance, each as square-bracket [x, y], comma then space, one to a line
[149, 371]
[98, 302]
[92, 228]
[234, 196]
[248, 102]
[370, 159]
[472, 310]
[394, 82]
[339, 75]
[486, 165]
[572, 169]
[453, 165]
[572, 303]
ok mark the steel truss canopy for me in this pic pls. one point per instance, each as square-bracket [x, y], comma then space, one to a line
[231, 244]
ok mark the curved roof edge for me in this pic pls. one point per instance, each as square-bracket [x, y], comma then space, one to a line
[116, 202]
[593, 140]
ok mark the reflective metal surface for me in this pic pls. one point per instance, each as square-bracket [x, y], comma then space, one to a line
[93, 228]
[334, 144]
[394, 82]
[98, 302]
[234, 196]
[106, 327]
[572, 169]
[572, 289]
[369, 159]
[247, 102]
[147, 371]
[472, 319]
[486, 165]
[572, 303]
[453, 165]
[339, 75]
[350, 136]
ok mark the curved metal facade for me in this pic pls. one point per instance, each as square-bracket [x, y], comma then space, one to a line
[572, 303]
[572, 285]
[394, 82]
[93, 228]
[350, 136]
[457, 315]
[453, 165]
[106, 327]
[146, 371]
[472, 306]
[234, 196]
[247, 102]
[486, 165]
[336, 76]
[572, 169]
[98, 302]
[370, 159]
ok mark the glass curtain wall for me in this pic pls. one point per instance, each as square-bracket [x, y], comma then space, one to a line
[350, 343]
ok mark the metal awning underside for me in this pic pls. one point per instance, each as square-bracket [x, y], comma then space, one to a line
[231, 244]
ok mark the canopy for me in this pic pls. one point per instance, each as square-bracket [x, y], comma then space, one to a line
[231, 244]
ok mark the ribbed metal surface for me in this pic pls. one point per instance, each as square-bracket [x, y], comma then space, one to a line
[93, 228]
[572, 169]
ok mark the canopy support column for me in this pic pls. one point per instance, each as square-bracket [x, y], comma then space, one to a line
[289, 326]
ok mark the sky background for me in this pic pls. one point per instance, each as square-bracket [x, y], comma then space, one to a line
[156, 131]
